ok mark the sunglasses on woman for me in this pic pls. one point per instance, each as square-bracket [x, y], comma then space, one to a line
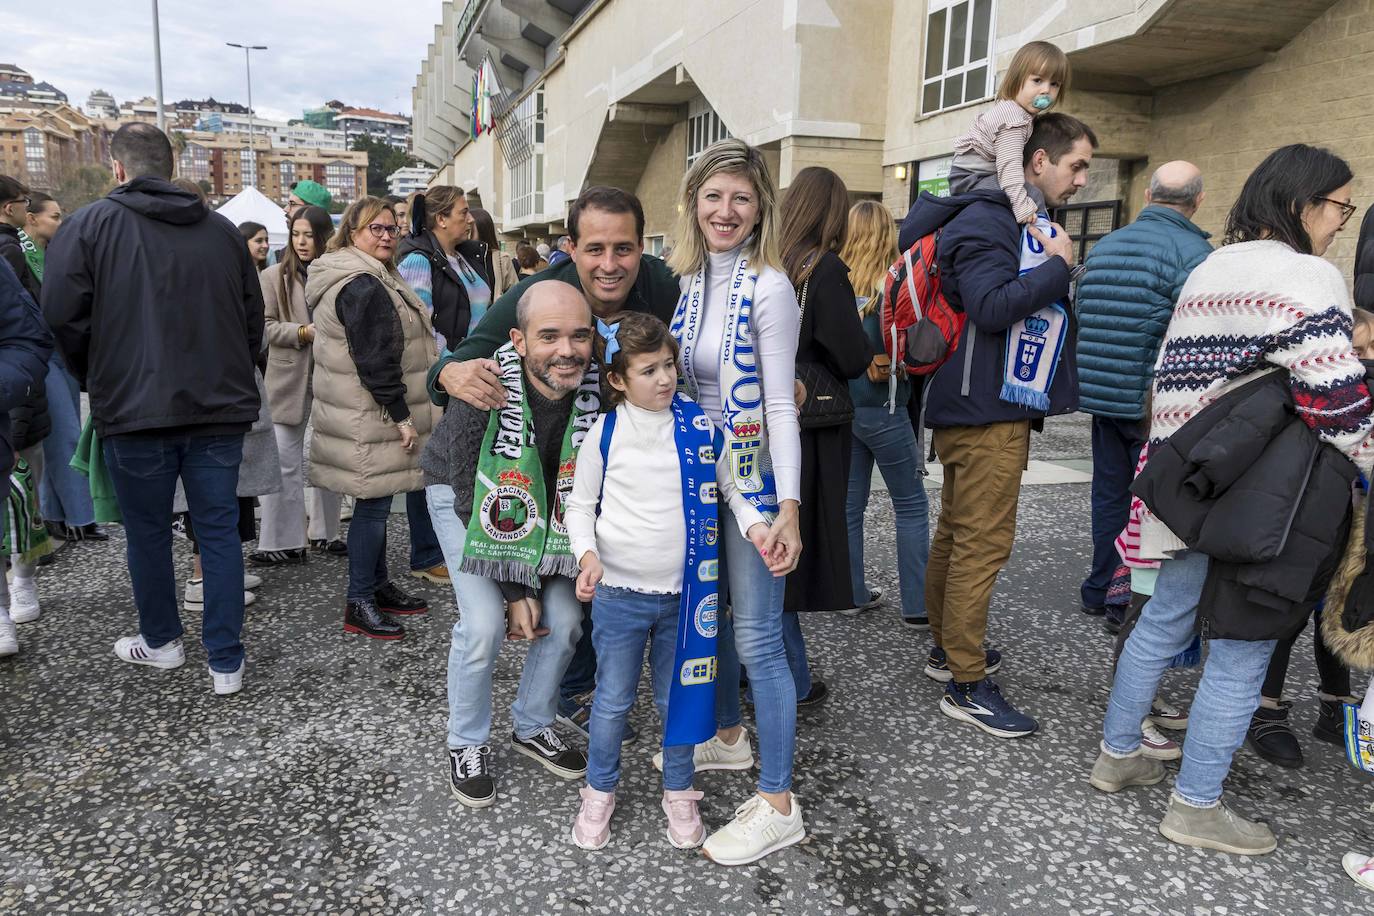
[380, 229]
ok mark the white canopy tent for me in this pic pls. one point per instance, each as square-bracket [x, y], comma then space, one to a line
[251, 205]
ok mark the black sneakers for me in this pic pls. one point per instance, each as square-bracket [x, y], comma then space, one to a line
[548, 749]
[277, 557]
[469, 776]
[394, 601]
[1271, 737]
[335, 547]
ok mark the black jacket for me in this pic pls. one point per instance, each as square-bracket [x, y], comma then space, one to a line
[25, 345]
[12, 252]
[452, 311]
[156, 307]
[831, 332]
[1248, 483]
[980, 263]
[1364, 263]
[29, 422]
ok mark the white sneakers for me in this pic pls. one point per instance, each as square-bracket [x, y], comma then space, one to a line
[134, 650]
[9, 638]
[24, 600]
[194, 599]
[715, 754]
[227, 683]
[757, 830]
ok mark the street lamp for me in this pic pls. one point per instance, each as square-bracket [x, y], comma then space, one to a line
[248, 68]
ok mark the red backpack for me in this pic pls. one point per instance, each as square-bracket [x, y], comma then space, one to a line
[920, 328]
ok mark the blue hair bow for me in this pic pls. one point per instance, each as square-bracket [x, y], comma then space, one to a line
[608, 332]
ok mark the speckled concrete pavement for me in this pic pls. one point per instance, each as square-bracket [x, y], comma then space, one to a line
[321, 788]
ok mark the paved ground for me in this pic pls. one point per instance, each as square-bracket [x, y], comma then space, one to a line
[321, 787]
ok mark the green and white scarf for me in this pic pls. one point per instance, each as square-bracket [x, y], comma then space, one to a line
[512, 535]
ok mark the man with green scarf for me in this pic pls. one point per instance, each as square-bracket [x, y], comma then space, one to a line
[495, 482]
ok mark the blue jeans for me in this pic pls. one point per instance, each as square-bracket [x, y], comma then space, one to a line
[794, 644]
[889, 440]
[624, 621]
[424, 545]
[367, 547]
[64, 494]
[580, 678]
[144, 470]
[1226, 697]
[753, 633]
[1116, 450]
[481, 631]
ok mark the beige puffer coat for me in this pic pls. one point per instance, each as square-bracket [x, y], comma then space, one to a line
[356, 448]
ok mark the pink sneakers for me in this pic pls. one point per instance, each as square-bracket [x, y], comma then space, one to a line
[592, 829]
[685, 830]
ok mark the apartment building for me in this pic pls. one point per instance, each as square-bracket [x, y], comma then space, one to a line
[227, 164]
[406, 181]
[281, 133]
[43, 146]
[393, 129]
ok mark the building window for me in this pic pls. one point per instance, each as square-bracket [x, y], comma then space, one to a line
[194, 162]
[340, 180]
[248, 166]
[958, 66]
[1087, 223]
[35, 155]
[704, 127]
[286, 173]
[525, 156]
[654, 245]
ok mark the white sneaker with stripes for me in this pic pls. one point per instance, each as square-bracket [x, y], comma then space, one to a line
[757, 830]
[134, 650]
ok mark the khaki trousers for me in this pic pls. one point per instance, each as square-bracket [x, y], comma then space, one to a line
[982, 468]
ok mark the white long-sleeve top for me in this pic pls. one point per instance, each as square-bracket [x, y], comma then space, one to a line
[639, 536]
[776, 323]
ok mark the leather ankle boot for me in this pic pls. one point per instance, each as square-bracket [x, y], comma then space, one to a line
[365, 618]
[394, 601]
[1271, 738]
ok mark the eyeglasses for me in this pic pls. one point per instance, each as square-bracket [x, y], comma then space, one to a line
[1347, 210]
[380, 229]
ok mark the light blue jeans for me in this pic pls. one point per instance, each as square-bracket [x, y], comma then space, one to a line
[480, 632]
[64, 494]
[1226, 698]
[623, 620]
[752, 633]
[889, 440]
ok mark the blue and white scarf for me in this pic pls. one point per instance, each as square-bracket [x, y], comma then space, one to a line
[740, 389]
[1035, 342]
[692, 696]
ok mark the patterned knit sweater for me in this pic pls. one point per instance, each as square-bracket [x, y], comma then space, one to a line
[1252, 307]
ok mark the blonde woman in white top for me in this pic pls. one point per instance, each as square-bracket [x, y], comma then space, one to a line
[737, 324]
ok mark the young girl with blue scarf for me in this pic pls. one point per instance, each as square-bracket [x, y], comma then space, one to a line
[643, 522]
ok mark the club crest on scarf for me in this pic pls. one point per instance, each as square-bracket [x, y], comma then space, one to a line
[1035, 342]
[514, 535]
[741, 405]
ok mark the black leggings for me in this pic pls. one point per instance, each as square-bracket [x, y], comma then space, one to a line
[1333, 676]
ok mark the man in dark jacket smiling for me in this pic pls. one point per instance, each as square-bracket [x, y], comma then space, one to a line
[981, 426]
[155, 304]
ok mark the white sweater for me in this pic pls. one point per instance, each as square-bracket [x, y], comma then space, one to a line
[777, 324]
[639, 536]
[1248, 308]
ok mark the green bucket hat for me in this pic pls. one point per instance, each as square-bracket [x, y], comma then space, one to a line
[313, 193]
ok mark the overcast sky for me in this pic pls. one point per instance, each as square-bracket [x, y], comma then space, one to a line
[362, 52]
